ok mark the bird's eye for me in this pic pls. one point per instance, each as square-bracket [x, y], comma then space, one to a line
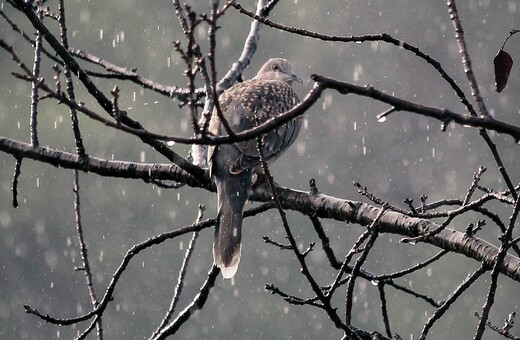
[276, 67]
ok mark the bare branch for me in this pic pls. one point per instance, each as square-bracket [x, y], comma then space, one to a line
[451, 299]
[443, 115]
[16, 176]
[182, 274]
[130, 254]
[500, 257]
[384, 37]
[84, 256]
[196, 304]
[103, 167]
[466, 60]
[373, 234]
[36, 81]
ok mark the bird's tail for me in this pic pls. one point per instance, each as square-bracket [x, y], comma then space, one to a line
[232, 191]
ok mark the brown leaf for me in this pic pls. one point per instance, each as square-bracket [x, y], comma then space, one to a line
[503, 64]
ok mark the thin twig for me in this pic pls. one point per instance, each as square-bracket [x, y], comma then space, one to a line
[301, 258]
[466, 60]
[476, 179]
[384, 311]
[89, 329]
[344, 266]
[490, 299]
[84, 257]
[80, 148]
[475, 91]
[503, 332]
[180, 278]
[439, 312]
[412, 269]
[180, 16]
[16, 176]
[213, 68]
[130, 254]
[373, 230]
[35, 80]
[325, 242]
[196, 304]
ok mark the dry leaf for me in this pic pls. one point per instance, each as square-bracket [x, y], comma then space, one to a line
[503, 64]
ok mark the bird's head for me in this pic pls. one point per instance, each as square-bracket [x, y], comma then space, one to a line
[278, 69]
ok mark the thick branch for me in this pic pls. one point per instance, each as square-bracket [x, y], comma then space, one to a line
[102, 167]
[321, 205]
[324, 206]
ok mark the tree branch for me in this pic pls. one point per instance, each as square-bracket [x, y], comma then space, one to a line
[443, 115]
[325, 206]
[100, 166]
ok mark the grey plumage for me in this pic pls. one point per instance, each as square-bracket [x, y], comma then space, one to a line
[268, 94]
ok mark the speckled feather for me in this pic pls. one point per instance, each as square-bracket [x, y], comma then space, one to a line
[266, 98]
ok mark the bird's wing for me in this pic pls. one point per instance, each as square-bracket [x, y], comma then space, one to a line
[232, 111]
[265, 100]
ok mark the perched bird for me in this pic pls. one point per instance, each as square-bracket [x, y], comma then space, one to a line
[265, 96]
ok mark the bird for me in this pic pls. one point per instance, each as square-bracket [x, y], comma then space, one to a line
[232, 165]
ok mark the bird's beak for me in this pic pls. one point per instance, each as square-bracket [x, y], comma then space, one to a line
[296, 78]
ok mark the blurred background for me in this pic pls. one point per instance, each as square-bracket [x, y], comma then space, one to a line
[342, 141]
